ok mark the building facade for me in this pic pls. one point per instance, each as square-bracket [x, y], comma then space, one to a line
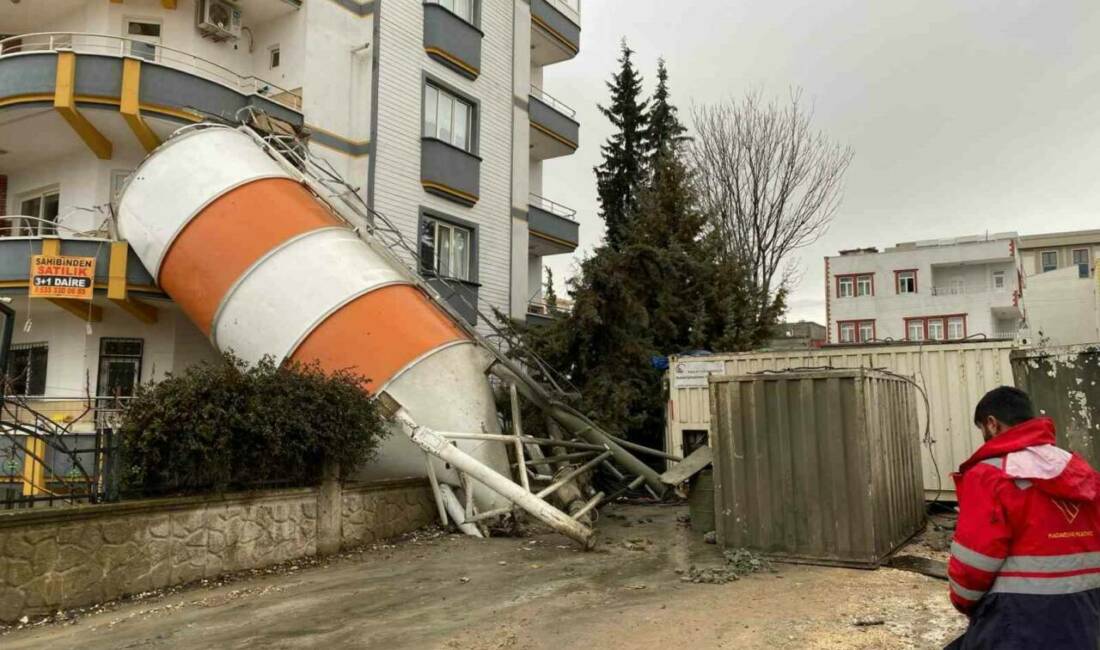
[803, 335]
[1062, 287]
[433, 111]
[933, 290]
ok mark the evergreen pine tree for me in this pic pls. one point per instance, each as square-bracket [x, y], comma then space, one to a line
[622, 171]
[665, 134]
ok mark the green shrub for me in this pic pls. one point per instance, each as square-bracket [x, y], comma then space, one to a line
[228, 425]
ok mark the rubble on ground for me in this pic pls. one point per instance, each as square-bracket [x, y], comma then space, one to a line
[739, 562]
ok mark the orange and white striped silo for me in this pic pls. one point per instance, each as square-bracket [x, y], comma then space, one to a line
[263, 267]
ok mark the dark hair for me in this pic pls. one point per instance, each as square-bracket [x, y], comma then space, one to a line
[1009, 405]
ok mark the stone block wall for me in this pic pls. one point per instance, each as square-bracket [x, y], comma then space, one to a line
[57, 558]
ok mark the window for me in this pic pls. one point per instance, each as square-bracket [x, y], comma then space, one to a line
[914, 329]
[906, 281]
[446, 250]
[448, 118]
[855, 284]
[273, 56]
[845, 287]
[119, 366]
[27, 369]
[1081, 261]
[935, 329]
[464, 9]
[956, 328]
[865, 285]
[866, 331]
[39, 212]
[1049, 260]
[856, 331]
[847, 332]
[144, 37]
[998, 279]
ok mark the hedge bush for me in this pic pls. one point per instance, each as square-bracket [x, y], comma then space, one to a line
[230, 425]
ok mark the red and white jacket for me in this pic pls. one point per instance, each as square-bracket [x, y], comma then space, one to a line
[1025, 560]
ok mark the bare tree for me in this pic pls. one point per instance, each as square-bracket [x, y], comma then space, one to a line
[769, 182]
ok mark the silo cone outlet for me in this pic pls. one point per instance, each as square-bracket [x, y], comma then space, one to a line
[263, 267]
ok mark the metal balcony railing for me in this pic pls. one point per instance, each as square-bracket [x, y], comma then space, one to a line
[552, 102]
[557, 209]
[570, 8]
[105, 44]
[967, 289]
[20, 226]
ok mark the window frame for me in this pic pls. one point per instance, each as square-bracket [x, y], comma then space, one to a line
[953, 319]
[36, 228]
[922, 323]
[857, 326]
[475, 11]
[31, 379]
[274, 56]
[1042, 262]
[855, 280]
[105, 358]
[153, 51]
[473, 112]
[428, 216]
[899, 277]
[1004, 280]
[1084, 269]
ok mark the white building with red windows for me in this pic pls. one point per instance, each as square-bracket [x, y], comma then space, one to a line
[933, 290]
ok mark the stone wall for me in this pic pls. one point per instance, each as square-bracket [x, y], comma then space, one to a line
[57, 558]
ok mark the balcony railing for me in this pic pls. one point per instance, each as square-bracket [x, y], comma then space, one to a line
[966, 290]
[552, 102]
[571, 8]
[556, 209]
[104, 44]
[16, 226]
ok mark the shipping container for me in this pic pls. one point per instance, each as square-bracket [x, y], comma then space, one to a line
[954, 376]
[818, 466]
[1064, 383]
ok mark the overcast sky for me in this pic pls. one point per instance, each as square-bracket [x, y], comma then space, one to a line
[966, 116]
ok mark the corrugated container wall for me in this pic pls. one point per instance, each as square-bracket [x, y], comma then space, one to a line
[954, 375]
[817, 466]
[1064, 383]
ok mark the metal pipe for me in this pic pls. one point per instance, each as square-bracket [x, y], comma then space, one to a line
[556, 485]
[517, 430]
[455, 509]
[592, 503]
[438, 446]
[576, 423]
[564, 457]
[572, 444]
[435, 490]
[642, 449]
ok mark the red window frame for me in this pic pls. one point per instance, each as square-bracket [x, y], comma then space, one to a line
[855, 284]
[855, 324]
[897, 280]
[946, 329]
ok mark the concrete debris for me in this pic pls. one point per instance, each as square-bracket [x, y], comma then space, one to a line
[739, 562]
[710, 537]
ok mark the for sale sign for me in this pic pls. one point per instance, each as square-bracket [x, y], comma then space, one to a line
[61, 276]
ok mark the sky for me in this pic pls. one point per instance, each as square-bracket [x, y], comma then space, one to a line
[965, 116]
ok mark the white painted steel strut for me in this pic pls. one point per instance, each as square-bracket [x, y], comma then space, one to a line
[438, 446]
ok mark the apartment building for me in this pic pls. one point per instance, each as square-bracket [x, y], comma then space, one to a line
[934, 290]
[1062, 287]
[433, 111]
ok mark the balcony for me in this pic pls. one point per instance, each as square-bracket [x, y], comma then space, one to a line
[540, 314]
[1003, 303]
[117, 92]
[449, 172]
[551, 226]
[555, 30]
[452, 41]
[119, 275]
[554, 129]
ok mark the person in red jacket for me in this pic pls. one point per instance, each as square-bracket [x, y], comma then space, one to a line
[1025, 560]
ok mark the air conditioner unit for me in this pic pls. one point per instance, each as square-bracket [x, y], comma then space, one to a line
[219, 19]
